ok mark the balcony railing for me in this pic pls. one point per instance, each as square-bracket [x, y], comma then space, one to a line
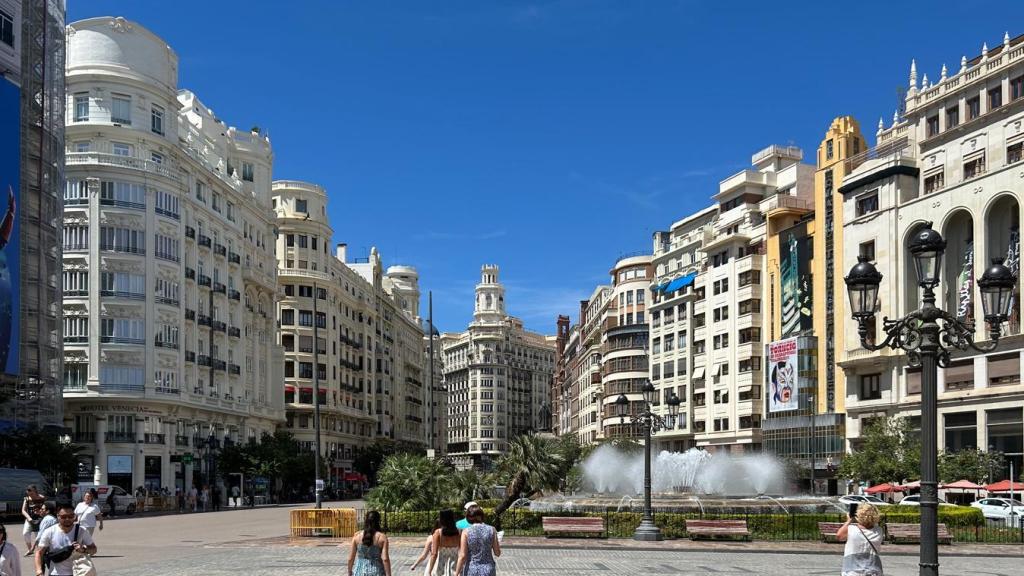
[220, 250]
[154, 438]
[190, 232]
[235, 295]
[190, 314]
[122, 203]
[205, 320]
[220, 288]
[190, 273]
[205, 280]
[120, 437]
[77, 158]
[234, 332]
[234, 258]
[895, 149]
[75, 246]
[167, 213]
[162, 344]
[122, 294]
[76, 339]
[205, 241]
[204, 360]
[234, 369]
[190, 356]
[220, 365]
[167, 301]
[123, 249]
[121, 340]
[219, 326]
[168, 256]
[180, 440]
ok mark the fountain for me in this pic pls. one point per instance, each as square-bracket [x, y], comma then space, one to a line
[695, 480]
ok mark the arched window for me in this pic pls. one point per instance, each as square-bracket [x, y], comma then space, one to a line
[958, 275]
[1002, 240]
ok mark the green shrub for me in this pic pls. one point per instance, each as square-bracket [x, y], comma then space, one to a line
[951, 516]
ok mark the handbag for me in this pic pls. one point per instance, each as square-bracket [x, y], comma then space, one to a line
[83, 566]
[64, 552]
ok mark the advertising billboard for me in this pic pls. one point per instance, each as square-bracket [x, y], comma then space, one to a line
[782, 375]
[10, 268]
[795, 278]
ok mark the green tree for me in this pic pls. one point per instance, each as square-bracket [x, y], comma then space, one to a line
[889, 451]
[532, 463]
[468, 485]
[411, 482]
[43, 451]
[973, 465]
[369, 459]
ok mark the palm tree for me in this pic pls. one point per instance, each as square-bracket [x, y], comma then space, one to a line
[410, 482]
[532, 463]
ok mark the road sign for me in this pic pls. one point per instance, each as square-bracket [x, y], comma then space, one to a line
[319, 485]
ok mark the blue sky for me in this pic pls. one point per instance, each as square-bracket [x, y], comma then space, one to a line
[547, 137]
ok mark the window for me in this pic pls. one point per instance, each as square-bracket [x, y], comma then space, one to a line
[750, 277]
[125, 330]
[289, 240]
[870, 388]
[934, 182]
[247, 171]
[867, 203]
[303, 241]
[121, 109]
[1014, 152]
[995, 98]
[1016, 87]
[122, 240]
[721, 313]
[961, 431]
[749, 365]
[82, 107]
[721, 341]
[167, 204]
[973, 107]
[305, 318]
[305, 291]
[120, 149]
[656, 346]
[698, 320]
[750, 306]
[829, 149]
[156, 116]
[156, 158]
[639, 293]
[974, 167]
[699, 347]
[932, 126]
[952, 117]
[748, 335]
[287, 317]
[867, 250]
[720, 286]
[300, 205]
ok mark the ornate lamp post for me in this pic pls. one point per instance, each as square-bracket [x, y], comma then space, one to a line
[650, 423]
[927, 335]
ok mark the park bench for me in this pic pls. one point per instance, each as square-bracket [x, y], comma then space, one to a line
[828, 531]
[715, 528]
[572, 525]
[912, 533]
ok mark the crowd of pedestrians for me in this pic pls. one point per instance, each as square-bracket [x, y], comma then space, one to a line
[464, 548]
[56, 536]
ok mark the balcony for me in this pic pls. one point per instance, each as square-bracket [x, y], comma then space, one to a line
[235, 295]
[115, 203]
[234, 369]
[204, 360]
[220, 250]
[190, 232]
[220, 365]
[147, 166]
[120, 294]
[167, 213]
[169, 345]
[120, 438]
[234, 258]
[219, 326]
[234, 332]
[205, 320]
[76, 246]
[220, 288]
[138, 250]
[190, 356]
[167, 301]
[121, 340]
[205, 280]
[180, 440]
[153, 438]
[190, 273]
[190, 314]
[167, 256]
[205, 241]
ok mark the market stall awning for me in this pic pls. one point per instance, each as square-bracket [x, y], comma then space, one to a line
[885, 488]
[1005, 486]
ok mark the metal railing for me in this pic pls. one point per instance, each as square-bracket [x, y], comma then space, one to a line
[75, 158]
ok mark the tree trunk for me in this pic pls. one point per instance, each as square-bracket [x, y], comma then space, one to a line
[512, 494]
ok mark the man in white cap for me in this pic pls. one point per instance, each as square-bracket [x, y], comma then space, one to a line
[464, 522]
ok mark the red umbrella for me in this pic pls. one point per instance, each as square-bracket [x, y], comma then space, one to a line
[1005, 486]
[963, 485]
[887, 487]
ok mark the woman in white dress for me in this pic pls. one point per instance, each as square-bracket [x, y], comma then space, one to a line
[445, 548]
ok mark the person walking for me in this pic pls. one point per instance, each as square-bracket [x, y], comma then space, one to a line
[60, 541]
[234, 494]
[445, 546]
[863, 537]
[193, 498]
[30, 511]
[478, 546]
[49, 519]
[216, 498]
[204, 497]
[368, 554]
[10, 561]
[425, 555]
[88, 513]
[463, 522]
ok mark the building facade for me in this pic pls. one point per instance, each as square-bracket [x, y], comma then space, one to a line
[32, 48]
[952, 159]
[168, 267]
[498, 376]
[327, 316]
[622, 331]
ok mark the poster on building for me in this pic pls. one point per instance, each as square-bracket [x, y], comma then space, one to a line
[795, 279]
[782, 375]
[10, 268]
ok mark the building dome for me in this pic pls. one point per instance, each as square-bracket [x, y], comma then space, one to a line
[119, 46]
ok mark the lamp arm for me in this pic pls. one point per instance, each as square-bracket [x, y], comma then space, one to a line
[901, 333]
[959, 334]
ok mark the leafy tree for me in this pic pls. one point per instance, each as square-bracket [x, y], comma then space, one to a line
[277, 457]
[888, 452]
[532, 463]
[411, 482]
[43, 451]
[468, 485]
[973, 465]
[369, 459]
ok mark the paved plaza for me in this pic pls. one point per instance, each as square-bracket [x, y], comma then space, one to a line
[255, 542]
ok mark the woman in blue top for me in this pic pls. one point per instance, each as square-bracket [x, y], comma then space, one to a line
[369, 553]
[479, 546]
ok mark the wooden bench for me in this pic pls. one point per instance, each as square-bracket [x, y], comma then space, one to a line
[572, 525]
[828, 531]
[912, 533]
[715, 528]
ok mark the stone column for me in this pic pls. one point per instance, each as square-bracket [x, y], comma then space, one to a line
[101, 447]
[139, 457]
[170, 445]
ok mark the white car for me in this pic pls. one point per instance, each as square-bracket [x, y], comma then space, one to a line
[1001, 509]
[107, 494]
[865, 499]
[915, 500]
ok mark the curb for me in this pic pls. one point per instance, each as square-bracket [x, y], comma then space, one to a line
[747, 550]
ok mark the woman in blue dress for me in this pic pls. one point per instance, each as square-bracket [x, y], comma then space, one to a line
[369, 552]
[479, 546]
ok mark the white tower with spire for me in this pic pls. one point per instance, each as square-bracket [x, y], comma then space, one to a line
[490, 297]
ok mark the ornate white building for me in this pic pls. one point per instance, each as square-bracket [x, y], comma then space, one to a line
[953, 159]
[169, 276]
[498, 377]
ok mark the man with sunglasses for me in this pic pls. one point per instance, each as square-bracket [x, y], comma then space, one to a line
[60, 537]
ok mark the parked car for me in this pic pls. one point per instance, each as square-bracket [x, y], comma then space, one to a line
[915, 500]
[12, 489]
[125, 502]
[863, 499]
[1005, 509]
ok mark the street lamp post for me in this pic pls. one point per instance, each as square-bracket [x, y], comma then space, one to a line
[927, 335]
[651, 423]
